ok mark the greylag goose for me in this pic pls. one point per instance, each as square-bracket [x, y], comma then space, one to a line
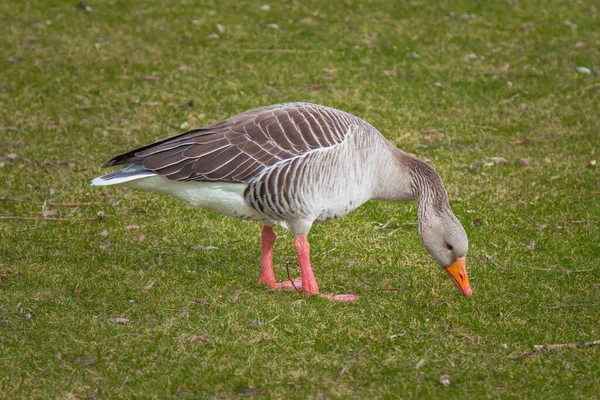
[296, 164]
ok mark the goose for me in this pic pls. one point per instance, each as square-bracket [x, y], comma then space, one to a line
[296, 164]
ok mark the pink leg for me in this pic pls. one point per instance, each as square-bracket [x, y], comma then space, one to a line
[309, 283]
[267, 275]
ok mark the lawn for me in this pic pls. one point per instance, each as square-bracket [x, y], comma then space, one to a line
[113, 293]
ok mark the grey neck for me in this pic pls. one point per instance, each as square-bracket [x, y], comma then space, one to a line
[428, 190]
[408, 178]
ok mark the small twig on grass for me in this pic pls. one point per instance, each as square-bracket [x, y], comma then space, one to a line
[277, 50]
[124, 382]
[287, 269]
[544, 347]
[95, 203]
[49, 218]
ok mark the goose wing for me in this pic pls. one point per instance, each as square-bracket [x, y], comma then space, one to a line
[239, 148]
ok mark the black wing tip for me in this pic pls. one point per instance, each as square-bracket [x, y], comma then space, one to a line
[127, 158]
[109, 164]
[131, 157]
[118, 160]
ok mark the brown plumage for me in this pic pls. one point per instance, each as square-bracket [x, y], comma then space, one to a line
[239, 148]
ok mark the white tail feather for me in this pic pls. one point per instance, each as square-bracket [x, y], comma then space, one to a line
[131, 173]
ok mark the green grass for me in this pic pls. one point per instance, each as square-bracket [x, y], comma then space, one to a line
[455, 84]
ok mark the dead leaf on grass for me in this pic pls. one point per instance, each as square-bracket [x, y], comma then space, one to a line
[504, 68]
[512, 96]
[530, 246]
[149, 286]
[331, 73]
[86, 361]
[478, 222]
[106, 245]
[57, 163]
[49, 213]
[402, 137]
[149, 78]
[445, 380]
[140, 238]
[249, 391]
[316, 89]
[199, 339]
[202, 247]
[256, 323]
[78, 293]
[119, 320]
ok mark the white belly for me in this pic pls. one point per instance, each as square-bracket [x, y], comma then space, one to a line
[338, 206]
[222, 197]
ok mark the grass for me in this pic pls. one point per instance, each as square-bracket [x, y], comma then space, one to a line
[455, 84]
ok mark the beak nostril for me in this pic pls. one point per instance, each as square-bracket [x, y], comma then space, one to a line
[458, 275]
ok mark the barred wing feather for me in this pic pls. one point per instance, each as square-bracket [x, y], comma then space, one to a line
[239, 148]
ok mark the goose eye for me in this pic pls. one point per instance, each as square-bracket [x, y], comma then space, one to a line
[449, 247]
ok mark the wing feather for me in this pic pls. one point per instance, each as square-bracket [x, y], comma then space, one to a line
[240, 148]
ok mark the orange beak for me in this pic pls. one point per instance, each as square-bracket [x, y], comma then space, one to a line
[458, 275]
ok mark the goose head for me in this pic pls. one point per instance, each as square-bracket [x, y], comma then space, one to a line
[446, 240]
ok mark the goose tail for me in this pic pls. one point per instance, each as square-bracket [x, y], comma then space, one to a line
[131, 173]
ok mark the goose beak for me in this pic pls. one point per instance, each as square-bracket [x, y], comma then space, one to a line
[458, 275]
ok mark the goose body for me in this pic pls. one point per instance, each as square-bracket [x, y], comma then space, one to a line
[295, 165]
